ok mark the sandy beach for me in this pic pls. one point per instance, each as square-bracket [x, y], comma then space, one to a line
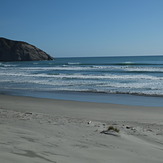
[39, 130]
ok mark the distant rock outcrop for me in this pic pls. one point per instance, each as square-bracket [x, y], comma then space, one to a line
[20, 51]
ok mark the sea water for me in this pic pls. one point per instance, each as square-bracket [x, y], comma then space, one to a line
[101, 79]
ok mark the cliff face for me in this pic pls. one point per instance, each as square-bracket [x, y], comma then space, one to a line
[20, 51]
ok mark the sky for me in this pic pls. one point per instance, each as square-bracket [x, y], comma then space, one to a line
[80, 28]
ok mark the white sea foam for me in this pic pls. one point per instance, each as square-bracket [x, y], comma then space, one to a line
[73, 63]
[83, 76]
[124, 77]
[144, 85]
[143, 69]
[7, 65]
[57, 68]
[95, 68]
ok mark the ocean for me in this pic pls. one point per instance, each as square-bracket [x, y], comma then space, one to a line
[136, 80]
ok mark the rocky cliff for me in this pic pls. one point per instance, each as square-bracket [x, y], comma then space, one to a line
[20, 51]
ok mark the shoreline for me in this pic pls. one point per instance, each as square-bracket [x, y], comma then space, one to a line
[124, 99]
[49, 130]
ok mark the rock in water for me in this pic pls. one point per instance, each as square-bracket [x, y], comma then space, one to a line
[20, 51]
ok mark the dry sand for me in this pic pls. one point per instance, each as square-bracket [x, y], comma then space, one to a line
[38, 130]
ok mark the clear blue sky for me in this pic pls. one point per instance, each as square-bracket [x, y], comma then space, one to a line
[65, 28]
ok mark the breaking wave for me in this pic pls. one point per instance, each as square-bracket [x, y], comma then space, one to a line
[96, 75]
